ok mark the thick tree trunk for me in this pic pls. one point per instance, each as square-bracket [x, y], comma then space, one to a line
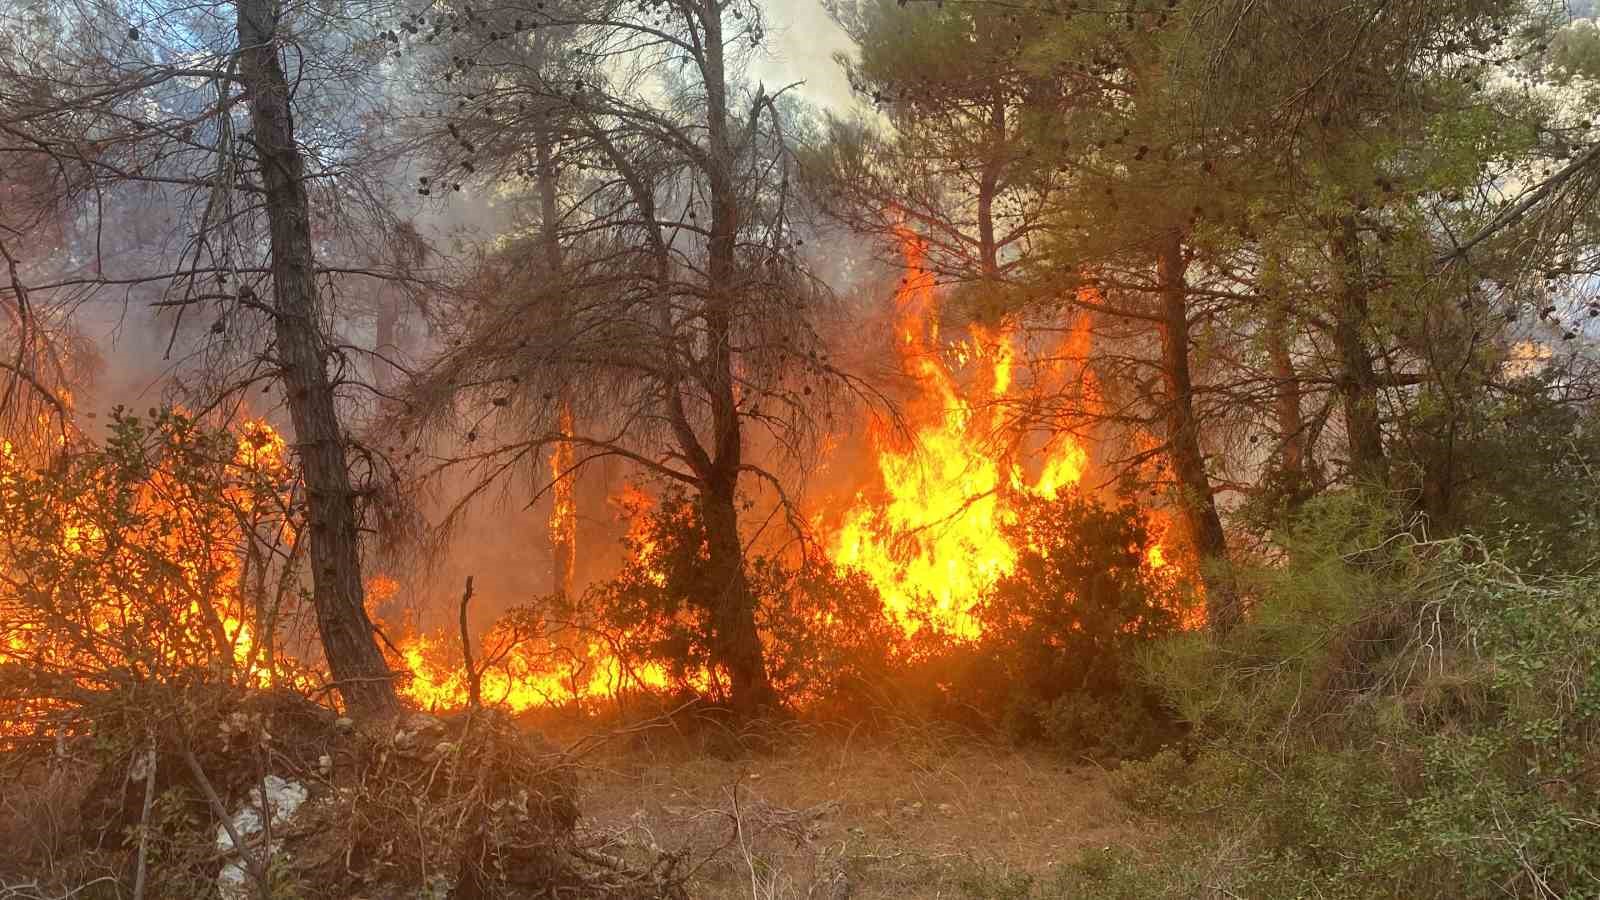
[739, 645]
[988, 188]
[1358, 381]
[549, 210]
[358, 668]
[1198, 504]
[735, 639]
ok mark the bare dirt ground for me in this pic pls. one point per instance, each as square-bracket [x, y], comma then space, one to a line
[831, 814]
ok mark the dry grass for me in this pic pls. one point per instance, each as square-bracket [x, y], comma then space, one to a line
[904, 814]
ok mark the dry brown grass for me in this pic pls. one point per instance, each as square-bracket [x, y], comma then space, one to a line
[906, 813]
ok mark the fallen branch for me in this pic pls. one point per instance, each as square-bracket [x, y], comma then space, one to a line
[258, 871]
[144, 819]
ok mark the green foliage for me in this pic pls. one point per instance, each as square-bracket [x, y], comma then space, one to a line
[1060, 633]
[1402, 718]
[1574, 51]
[1534, 461]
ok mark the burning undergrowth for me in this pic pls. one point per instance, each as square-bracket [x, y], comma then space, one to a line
[175, 548]
[901, 560]
[155, 636]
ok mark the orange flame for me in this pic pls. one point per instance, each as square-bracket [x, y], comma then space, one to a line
[928, 531]
[535, 664]
[166, 580]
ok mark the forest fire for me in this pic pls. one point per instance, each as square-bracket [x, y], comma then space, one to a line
[929, 530]
[547, 489]
[160, 564]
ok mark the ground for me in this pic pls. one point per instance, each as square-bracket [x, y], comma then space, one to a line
[830, 813]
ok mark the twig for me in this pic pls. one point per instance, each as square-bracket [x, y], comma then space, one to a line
[144, 818]
[473, 696]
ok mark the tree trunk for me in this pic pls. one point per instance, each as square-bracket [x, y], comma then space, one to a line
[988, 188]
[738, 643]
[1358, 381]
[735, 638]
[563, 524]
[1198, 504]
[387, 345]
[358, 668]
[1294, 474]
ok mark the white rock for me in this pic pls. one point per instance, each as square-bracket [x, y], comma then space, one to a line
[283, 798]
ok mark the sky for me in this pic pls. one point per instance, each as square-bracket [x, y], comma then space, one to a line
[801, 41]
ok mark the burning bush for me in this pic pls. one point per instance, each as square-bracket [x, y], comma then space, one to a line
[164, 556]
[823, 630]
[1061, 630]
[142, 589]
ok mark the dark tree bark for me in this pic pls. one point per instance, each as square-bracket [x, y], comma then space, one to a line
[358, 668]
[1294, 462]
[1358, 380]
[737, 643]
[734, 613]
[1198, 503]
[989, 187]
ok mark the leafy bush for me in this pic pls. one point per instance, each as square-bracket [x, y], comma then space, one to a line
[1055, 661]
[1400, 718]
[823, 631]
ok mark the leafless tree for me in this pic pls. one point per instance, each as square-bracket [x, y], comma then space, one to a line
[677, 325]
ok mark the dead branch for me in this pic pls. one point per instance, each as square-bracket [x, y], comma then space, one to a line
[474, 698]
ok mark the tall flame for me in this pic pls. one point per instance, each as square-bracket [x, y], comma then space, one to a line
[928, 529]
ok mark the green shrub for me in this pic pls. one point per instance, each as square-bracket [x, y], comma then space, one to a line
[1399, 718]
